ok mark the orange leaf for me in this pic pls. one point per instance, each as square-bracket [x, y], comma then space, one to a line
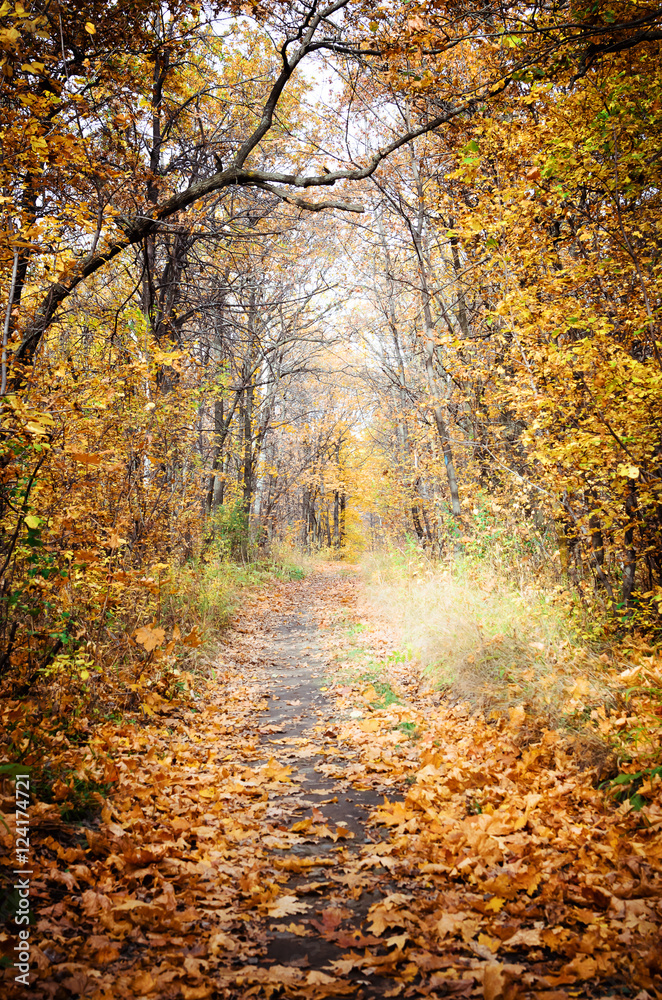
[494, 981]
[150, 638]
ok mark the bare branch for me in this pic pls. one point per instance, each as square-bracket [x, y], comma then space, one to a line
[311, 206]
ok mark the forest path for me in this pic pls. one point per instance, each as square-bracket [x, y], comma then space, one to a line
[325, 809]
[423, 851]
[320, 823]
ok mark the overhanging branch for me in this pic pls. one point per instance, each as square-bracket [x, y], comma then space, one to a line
[311, 206]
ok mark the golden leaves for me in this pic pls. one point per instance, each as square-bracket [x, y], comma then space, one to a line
[369, 726]
[9, 36]
[506, 846]
[392, 813]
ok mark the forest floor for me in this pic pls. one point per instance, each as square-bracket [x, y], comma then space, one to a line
[321, 822]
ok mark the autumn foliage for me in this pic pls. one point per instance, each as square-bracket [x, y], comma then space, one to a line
[280, 279]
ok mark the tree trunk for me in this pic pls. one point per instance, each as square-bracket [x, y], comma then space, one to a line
[429, 347]
[630, 562]
[336, 519]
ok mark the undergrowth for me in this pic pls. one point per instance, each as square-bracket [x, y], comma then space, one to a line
[157, 648]
[490, 634]
[487, 631]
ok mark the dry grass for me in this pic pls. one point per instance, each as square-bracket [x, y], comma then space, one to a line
[490, 634]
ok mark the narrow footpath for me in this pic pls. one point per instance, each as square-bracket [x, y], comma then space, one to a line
[322, 823]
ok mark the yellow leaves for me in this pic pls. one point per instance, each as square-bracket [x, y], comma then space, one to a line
[302, 826]
[369, 726]
[580, 687]
[517, 716]
[196, 992]
[389, 912]
[274, 771]
[392, 814]
[139, 912]
[416, 23]
[38, 424]
[95, 902]
[459, 922]
[315, 978]
[527, 937]
[71, 664]
[102, 951]
[299, 930]
[171, 359]
[151, 703]
[208, 793]
[299, 864]
[60, 790]
[192, 860]
[9, 36]
[89, 28]
[474, 225]
[580, 968]
[487, 941]
[628, 471]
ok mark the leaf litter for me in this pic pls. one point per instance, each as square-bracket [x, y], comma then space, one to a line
[304, 829]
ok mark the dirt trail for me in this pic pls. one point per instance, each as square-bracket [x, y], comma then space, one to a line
[402, 913]
[304, 715]
[322, 825]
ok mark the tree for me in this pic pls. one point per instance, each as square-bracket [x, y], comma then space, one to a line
[86, 105]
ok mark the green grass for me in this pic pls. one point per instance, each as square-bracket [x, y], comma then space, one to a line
[206, 592]
[353, 654]
[409, 729]
[387, 695]
[627, 786]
